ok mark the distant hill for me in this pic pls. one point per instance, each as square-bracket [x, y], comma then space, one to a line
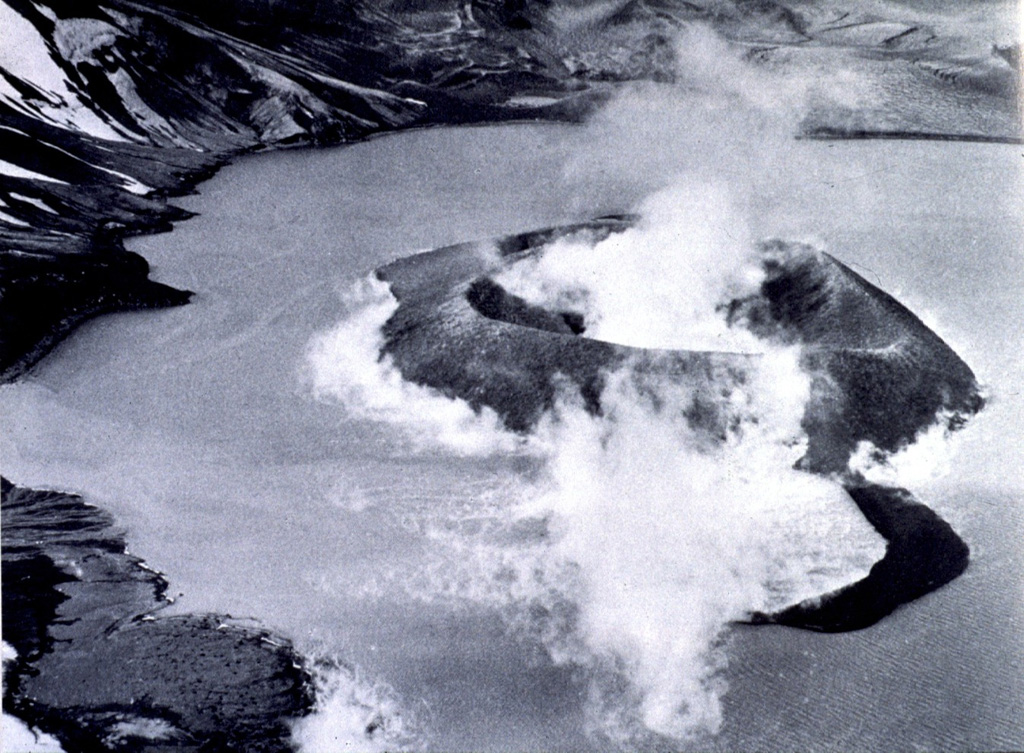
[107, 109]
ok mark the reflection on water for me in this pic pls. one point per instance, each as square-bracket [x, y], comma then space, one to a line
[197, 429]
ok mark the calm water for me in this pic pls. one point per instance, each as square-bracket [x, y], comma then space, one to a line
[196, 428]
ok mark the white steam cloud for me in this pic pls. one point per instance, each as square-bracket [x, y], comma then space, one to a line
[345, 367]
[639, 540]
[352, 714]
[672, 539]
[657, 285]
[929, 457]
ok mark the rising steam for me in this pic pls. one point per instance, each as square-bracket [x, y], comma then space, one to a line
[352, 714]
[638, 541]
[657, 285]
[346, 368]
[673, 539]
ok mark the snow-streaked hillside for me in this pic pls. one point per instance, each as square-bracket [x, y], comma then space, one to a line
[108, 108]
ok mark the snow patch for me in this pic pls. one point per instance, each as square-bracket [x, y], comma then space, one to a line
[17, 736]
[37, 203]
[25, 54]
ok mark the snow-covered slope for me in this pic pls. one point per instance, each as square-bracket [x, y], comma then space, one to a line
[107, 108]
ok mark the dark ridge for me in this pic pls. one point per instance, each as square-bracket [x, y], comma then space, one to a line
[839, 134]
[170, 171]
[596, 230]
[93, 655]
[43, 298]
[494, 302]
[922, 553]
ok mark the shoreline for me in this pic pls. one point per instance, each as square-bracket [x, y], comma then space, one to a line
[922, 554]
[96, 658]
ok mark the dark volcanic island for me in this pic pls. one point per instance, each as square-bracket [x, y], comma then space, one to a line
[878, 375]
[110, 109]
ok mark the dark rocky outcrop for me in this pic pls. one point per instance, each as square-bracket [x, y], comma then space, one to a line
[100, 669]
[923, 552]
[46, 294]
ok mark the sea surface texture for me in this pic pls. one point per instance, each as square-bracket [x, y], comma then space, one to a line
[322, 554]
[375, 539]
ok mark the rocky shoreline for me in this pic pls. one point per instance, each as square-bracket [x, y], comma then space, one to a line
[154, 97]
[100, 669]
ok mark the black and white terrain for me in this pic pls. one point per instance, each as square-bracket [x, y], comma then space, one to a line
[114, 113]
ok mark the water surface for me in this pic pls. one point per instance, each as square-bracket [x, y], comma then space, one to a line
[196, 428]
